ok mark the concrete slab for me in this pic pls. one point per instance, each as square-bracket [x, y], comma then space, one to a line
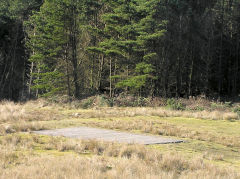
[108, 135]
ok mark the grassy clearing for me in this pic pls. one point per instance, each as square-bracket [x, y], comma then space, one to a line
[221, 132]
[211, 150]
[25, 156]
[204, 140]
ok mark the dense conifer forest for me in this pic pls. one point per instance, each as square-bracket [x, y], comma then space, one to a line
[164, 48]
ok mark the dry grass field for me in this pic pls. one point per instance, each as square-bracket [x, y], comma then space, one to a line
[211, 148]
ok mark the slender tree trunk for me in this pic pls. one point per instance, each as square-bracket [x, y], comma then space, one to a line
[31, 71]
[101, 62]
[68, 81]
[91, 72]
[13, 64]
[236, 68]
[110, 76]
[30, 80]
[221, 54]
[208, 66]
[178, 72]
[67, 71]
[38, 73]
[190, 79]
[23, 82]
[114, 74]
[74, 54]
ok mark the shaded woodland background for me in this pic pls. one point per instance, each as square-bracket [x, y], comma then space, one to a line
[158, 48]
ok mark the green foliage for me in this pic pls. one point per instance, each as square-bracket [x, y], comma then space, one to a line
[141, 101]
[143, 68]
[200, 108]
[95, 49]
[149, 56]
[16, 9]
[227, 104]
[50, 83]
[218, 105]
[99, 101]
[130, 101]
[237, 110]
[139, 80]
[49, 41]
[135, 82]
[105, 101]
[154, 47]
[175, 105]
[87, 103]
[113, 52]
[221, 105]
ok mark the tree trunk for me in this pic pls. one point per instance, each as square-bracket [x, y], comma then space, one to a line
[74, 53]
[100, 69]
[30, 80]
[110, 77]
[67, 70]
[221, 54]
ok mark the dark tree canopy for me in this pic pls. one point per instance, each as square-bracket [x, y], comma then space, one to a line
[163, 48]
[14, 55]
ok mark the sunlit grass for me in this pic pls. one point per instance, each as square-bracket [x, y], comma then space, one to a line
[211, 148]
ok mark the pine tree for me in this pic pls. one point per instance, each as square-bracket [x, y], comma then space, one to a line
[54, 44]
[47, 41]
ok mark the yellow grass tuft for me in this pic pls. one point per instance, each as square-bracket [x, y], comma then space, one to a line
[10, 111]
[230, 116]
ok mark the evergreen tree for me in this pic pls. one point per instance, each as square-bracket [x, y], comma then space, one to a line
[149, 48]
[54, 45]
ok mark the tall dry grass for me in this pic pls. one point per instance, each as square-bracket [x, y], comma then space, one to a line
[10, 111]
[29, 117]
[15, 117]
[161, 112]
[32, 156]
[47, 167]
[106, 160]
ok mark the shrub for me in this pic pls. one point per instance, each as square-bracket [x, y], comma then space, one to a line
[227, 104]
[87, 103]
[221, 106]
[237, 110]
[140, 101]
[105, 101]
[175, 105]
[199, 108]
[214, 105]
